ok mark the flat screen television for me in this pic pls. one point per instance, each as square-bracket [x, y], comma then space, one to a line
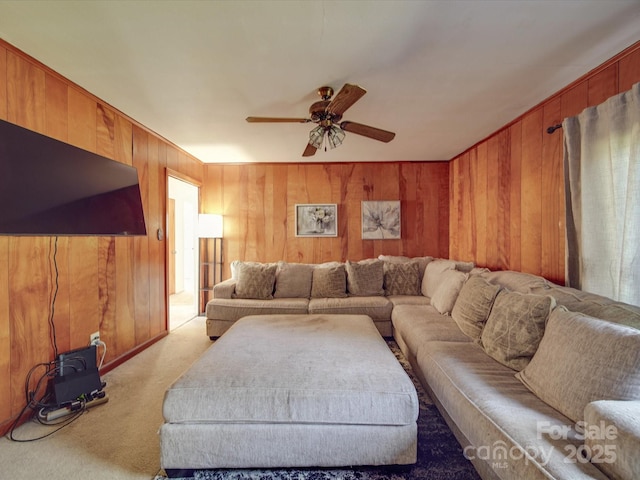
[48, 187]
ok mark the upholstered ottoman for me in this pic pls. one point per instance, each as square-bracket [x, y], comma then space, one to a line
[292, 391]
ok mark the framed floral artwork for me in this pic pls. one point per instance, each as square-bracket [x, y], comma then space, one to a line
[381, 220]
[316, 220]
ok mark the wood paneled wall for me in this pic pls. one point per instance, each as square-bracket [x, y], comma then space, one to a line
[507, 192]
[258, 202]
[112, 284]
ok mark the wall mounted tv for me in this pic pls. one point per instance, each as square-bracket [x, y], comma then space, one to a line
[48, 187]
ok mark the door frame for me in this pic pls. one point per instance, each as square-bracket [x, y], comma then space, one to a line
[198, 184]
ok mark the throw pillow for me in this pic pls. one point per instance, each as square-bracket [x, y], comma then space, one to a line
[582, 359]
[293, 280]
[444, 298]
[255, 280]
[432, 275]
[473, 306]
[465, 267]
[422, 261]
[402, 278]
[515, 327]
[365, 278]
[329, 281]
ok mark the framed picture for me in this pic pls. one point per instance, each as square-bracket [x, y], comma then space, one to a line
[316, 220]
[381, 220]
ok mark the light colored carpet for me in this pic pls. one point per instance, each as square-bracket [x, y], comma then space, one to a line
[182, 308]
[119, 439]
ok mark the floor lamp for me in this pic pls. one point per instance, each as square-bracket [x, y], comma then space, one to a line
[210, 228]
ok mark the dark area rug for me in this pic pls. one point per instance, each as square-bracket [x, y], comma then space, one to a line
[440, 456]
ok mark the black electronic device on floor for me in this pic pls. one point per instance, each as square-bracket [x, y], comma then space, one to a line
[77, 376]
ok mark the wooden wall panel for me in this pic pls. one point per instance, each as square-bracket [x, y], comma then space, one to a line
[514, 259]
[114, 285]
[258, 202]
[5, 330]
[3, 83]
[524, 197]
[141, 244]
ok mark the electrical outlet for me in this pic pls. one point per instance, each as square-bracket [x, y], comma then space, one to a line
[94, 338]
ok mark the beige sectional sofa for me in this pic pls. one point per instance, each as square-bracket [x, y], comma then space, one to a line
[369, 287]
[536, 380]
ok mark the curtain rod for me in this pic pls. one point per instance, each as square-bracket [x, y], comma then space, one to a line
[553, 128]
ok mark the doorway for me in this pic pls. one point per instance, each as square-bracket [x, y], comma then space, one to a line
[182, 238]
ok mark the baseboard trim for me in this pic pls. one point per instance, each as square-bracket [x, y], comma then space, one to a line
[131, 353]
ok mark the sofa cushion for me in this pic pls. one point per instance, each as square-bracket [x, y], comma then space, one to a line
[444, 298]
[378, 308]
[473, 306]
[582, 359]
[612, 437]
[365, 278]
[402, 278]
[433, 273]
[418, 325]
[255, 280]
[329, 281]
[515, 327]
[500, 418]
[293, 280]
[230, 310]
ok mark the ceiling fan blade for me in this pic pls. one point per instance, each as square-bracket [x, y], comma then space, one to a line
[347, 96]
[367, 131]
[309, 151]
[277, 120]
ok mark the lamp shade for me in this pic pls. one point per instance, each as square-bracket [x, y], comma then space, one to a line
[210, 225]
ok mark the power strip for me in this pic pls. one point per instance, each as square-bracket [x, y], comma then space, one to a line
[62, 412]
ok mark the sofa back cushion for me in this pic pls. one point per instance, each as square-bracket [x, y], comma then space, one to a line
[293, 280]
[329, 281]
[473, 306]
[515, 281]
[515, 327]
[255, 280]
[582, 359]
[365, 278]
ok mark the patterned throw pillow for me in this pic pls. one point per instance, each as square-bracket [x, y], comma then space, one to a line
[402, 278]
[366, 278]
[255, 280]
[515, 327]
[329, 281]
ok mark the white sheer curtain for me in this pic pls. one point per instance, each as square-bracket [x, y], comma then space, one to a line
[602, 185]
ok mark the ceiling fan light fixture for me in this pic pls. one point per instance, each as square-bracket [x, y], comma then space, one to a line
[335, 136]
[316, 135]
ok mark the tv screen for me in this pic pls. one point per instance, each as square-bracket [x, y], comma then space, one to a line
[48, 187]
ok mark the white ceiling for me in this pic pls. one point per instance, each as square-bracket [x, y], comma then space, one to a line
[442, 74]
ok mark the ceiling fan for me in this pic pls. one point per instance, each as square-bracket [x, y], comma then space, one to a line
[327, 114]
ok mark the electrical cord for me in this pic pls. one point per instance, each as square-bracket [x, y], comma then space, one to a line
[54, 295]
[40, 405]
[104, 351]
[52, 368]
